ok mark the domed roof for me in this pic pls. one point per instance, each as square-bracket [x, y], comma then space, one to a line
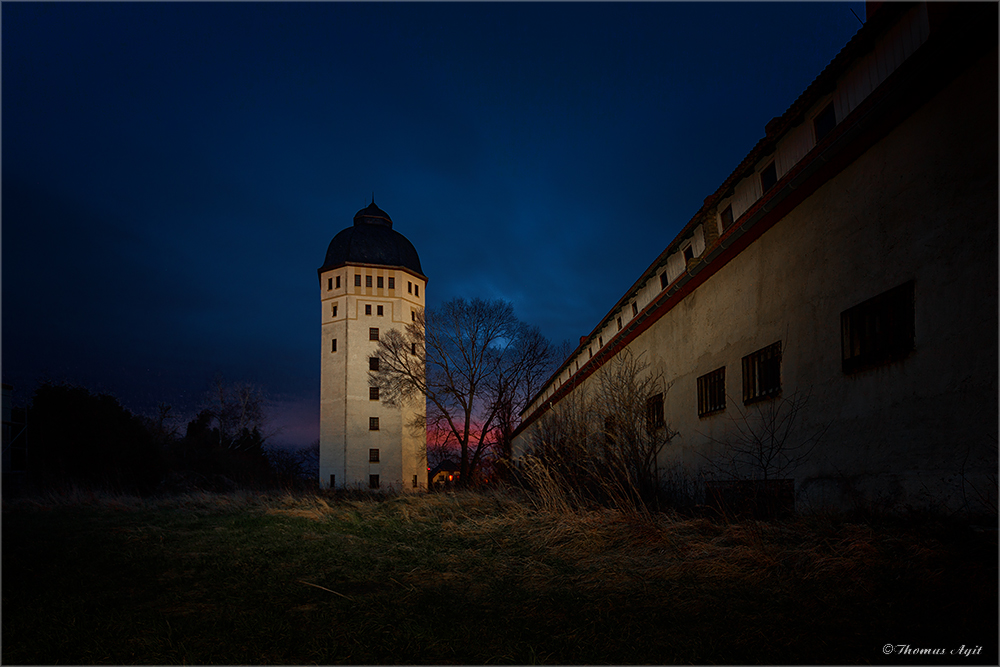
[372, 240]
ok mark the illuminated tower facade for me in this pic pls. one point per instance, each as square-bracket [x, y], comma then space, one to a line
[370, 282]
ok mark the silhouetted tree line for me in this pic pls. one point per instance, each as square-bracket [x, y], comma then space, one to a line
[85, 439]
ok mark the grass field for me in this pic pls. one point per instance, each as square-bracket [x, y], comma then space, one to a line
[470, 579]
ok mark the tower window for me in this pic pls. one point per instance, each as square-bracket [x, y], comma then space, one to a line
[414, 481]
[378, 311]
[762, 373]
[368, 309]
[392, 283]
[825, 121]
[416, 290]
[333, 347]
[727, 217]
[373, 363]
[372, 481]
[372, 393]
[373, 423]
[329, 283]
[333, 481]
[413, 315]
[635, 309]
[591, 352]
[338, 282]
[373, 333]
[368, 281]
[688, 254]
[357, 280]
[372, 456]
[663, 280]
[379, 282]
[334, 310]
[712, 392]
[600, 342]
[619, 324]
[413, 348]
[768, 177]
[409, 287]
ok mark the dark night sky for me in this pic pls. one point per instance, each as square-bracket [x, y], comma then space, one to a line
[173, 173]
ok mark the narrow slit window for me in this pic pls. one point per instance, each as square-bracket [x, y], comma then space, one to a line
[333, 345]
[329, 283]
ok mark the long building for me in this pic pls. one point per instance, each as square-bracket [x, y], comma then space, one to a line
[847, 268]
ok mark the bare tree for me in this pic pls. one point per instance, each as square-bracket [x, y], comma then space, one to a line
[604, 444]
[471, 361]
[765, 440]
[238, 411]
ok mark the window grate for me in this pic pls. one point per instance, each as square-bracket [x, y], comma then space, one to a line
[762, 373]
[712, 392]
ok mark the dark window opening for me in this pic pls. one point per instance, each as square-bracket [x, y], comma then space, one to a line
[654, 412]
[712, 392]
[368, 281]
[372, 456]
[878, 331]
[413, 315]
[768, 177]
[373, 333]
[392, 283]
[379, 311]
[333, 348]
[825, 121]
[329, 283]
[372, 393]
[357, 280]
[373, 423]
[409, 287]
[414, 481]
[379, 282]
[727, 217]
[688, 254]
[338, 282]
[413, 348]
[335, 310]
[368, 309]
[635, 310]
[373, 363]
[663, 280]
[372, 481]
[762, 373]
[416, 290]
[333, 481]
[619, 324]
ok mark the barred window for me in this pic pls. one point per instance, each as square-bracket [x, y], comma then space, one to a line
[373, 333]
[372, 456]
[368, 281]
[373, 423]
[357, 280]
[392, 283]
[372, 393]
[712, 392]
[654, 411]
[379, 282]
[878, 331]
[762, 373]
